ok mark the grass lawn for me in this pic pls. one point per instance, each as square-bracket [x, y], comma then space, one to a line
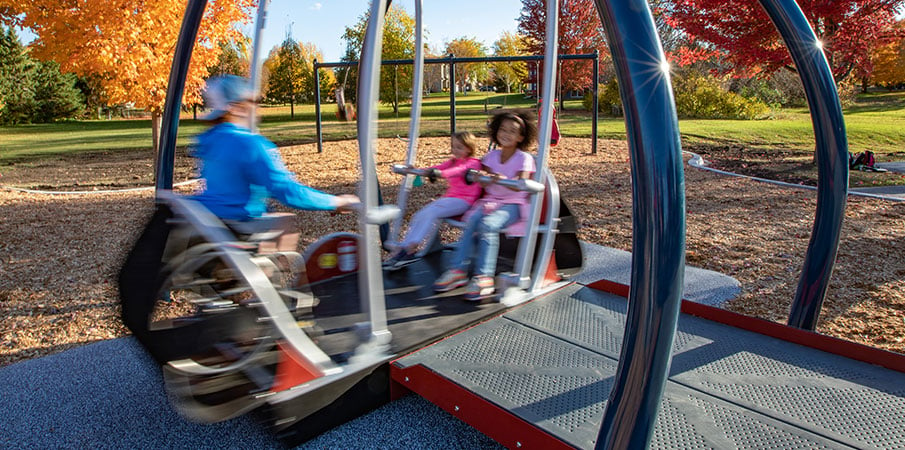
[875, 122]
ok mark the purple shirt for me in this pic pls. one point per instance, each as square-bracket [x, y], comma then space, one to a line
[495, 195]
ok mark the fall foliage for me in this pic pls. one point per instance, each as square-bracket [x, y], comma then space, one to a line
[889, 62]
[580, 32]
[510, 44]
[467, 73]
[848, 30]
[127, 46]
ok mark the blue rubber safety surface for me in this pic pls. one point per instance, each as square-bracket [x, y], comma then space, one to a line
[110, 395]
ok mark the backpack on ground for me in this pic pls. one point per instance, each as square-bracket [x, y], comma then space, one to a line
[864, 160]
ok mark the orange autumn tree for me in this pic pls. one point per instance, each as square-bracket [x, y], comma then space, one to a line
[127, 46]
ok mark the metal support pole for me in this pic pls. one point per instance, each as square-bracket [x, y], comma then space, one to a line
[545, 129]
[317, 108]
[370, 276]
[452, 94]
[166, 153]
[256, 60]
[658, 224]
[596, 114]
[832, 158]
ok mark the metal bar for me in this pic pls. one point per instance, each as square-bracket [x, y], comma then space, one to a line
[414, 122]
[832, 158]
[256, 60]
[370, 276]
[452, 95]
[454, 59]
[595, 114]
[658, 224]
[169, 124]
[317, 108]
[545, 130]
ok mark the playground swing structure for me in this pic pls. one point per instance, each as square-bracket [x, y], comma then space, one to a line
[245, 332]
[224, 309]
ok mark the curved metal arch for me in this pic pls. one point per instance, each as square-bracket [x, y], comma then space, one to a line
[831, 153]
[650, 328]
[658, 223]
[169, 125]
[414, 122]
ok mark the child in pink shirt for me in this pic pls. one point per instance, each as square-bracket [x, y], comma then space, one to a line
[501, 208]
[458, 199]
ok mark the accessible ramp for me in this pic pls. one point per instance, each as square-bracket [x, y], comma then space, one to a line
[539, 377]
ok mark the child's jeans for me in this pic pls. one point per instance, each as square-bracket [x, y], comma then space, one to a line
[482, 236]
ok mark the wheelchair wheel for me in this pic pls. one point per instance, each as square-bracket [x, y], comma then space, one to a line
[203, 293]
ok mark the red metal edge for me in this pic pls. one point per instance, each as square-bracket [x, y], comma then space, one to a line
[493, 421]
[829, 344]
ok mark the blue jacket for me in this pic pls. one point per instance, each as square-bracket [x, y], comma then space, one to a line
[241, 170]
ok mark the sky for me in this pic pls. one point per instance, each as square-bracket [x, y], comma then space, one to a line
[323, 22]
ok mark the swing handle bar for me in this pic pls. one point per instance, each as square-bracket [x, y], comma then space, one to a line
[473, 176]
[432, 174]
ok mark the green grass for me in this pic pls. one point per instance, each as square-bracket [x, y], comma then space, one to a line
[875, 122]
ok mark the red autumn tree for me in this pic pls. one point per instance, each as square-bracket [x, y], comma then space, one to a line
[848, 29]
[580, 32]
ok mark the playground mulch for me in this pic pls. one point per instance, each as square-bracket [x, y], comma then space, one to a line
[59, 254]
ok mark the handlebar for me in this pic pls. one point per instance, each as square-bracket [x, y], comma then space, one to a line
[473, 176]
[432, 174]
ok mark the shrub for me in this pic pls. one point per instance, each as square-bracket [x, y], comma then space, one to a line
[608, 100]
[701, 97]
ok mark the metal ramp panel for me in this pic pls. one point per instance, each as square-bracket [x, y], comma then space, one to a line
[539, 376]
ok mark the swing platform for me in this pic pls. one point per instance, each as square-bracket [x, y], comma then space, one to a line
[539, 376]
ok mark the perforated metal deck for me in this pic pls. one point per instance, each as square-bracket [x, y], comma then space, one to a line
[552, 362]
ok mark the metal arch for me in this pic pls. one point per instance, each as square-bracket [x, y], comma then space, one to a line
[832, 159]
[256, 60]
[523, 257]
[414, 122]
[370, 277]
[658, 224]
[169, 125]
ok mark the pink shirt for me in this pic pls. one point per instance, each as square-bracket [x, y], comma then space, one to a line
[454, 170]
[495, 195]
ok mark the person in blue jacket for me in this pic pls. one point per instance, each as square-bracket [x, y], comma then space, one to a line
[242, 169]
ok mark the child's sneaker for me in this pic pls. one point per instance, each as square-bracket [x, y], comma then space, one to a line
[450, 280]
[401, 260]
[480, 288]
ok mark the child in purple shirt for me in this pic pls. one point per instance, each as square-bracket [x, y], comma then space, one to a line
[457, 199]
[499, 208]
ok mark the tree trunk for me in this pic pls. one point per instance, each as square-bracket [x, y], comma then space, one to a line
[291, 108]
[156, 119]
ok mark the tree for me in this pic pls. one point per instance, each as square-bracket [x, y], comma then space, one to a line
[889, 63]
[398, 43]
[56, 96]
[847, 29]
[16, 87]
[510, 44]
[580, 31]
[126, 46]
[33, 91]
[291, 74]
[467, 73]
[233, 58]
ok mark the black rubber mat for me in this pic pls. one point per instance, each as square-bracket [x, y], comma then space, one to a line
[552, 363]
[415, 314]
